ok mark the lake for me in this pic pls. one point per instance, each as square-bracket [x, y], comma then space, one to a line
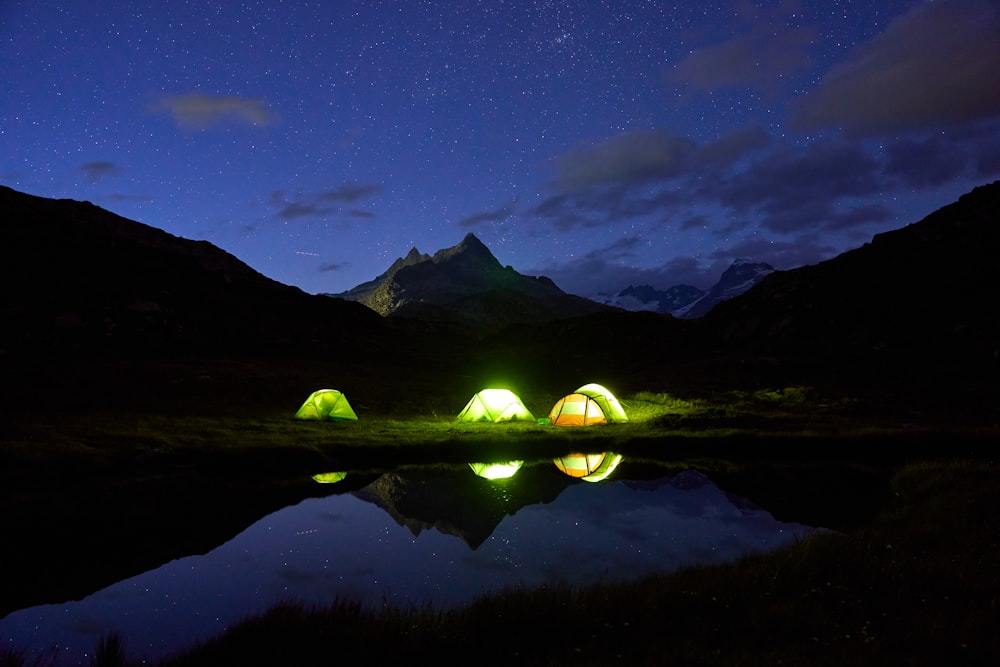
[437, 535]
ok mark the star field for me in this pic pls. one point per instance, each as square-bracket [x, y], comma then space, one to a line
[599, 143]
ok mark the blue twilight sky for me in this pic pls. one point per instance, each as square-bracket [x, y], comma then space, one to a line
[599, 143]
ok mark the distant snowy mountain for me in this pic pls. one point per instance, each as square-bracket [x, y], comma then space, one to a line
[686, 301]
[737, 279]
[646, 297]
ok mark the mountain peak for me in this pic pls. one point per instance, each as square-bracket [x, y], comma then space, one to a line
[741, 275]
[411, 258]
[465, 283]
[470, 246]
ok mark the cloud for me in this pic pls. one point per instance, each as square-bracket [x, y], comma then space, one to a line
[122, 197]
[632, 157]
[925, 163]
[334, 266]
[987, 165]
[934, 66]
[639, 173]
[325, 203]
[731, 147]
[743, 180]
[822, 216]
[609, 205]
[98, 171]
[741, 184]
[608, 270]
[486, 217]
[200, 110]
[694, 222]
[756, 60]
[792, 189]
[782, 255]
[941, 157]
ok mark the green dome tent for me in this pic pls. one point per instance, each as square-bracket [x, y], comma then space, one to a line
[326, 404]
[495, 405]
[612, 409]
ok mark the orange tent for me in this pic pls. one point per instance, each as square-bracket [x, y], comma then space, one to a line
[576, 410]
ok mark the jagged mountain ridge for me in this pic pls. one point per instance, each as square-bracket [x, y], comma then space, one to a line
[742, 275]
[687, 301]
[466, 284]
[647, 297]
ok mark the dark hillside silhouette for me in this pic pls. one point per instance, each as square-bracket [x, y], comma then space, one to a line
[921, 294]
[80, 279]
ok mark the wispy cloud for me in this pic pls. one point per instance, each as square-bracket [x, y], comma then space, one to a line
[936, 65]
[98, 171]
[634, 156]
[497, 215]
[324, 203]
[333, 267]
[730, 147]
[201, 110]
[756, 60]
[610, 267]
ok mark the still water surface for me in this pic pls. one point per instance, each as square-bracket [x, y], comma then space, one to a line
[439, 537]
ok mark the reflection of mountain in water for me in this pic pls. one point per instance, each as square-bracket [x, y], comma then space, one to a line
[693, 480]
[545, 529]
[459, 503]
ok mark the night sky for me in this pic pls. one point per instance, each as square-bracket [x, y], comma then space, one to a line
[599, 143]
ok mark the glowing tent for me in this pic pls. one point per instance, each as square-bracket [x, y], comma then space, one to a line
[326, 404]
[495, 405]
[576, 410]
[612, 409]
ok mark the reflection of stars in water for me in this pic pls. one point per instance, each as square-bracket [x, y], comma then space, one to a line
[500, 491]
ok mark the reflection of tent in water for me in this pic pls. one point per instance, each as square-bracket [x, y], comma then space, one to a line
[589, 467]
[329, 477]
[495, 405]
[326, 404]
[502, 470]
